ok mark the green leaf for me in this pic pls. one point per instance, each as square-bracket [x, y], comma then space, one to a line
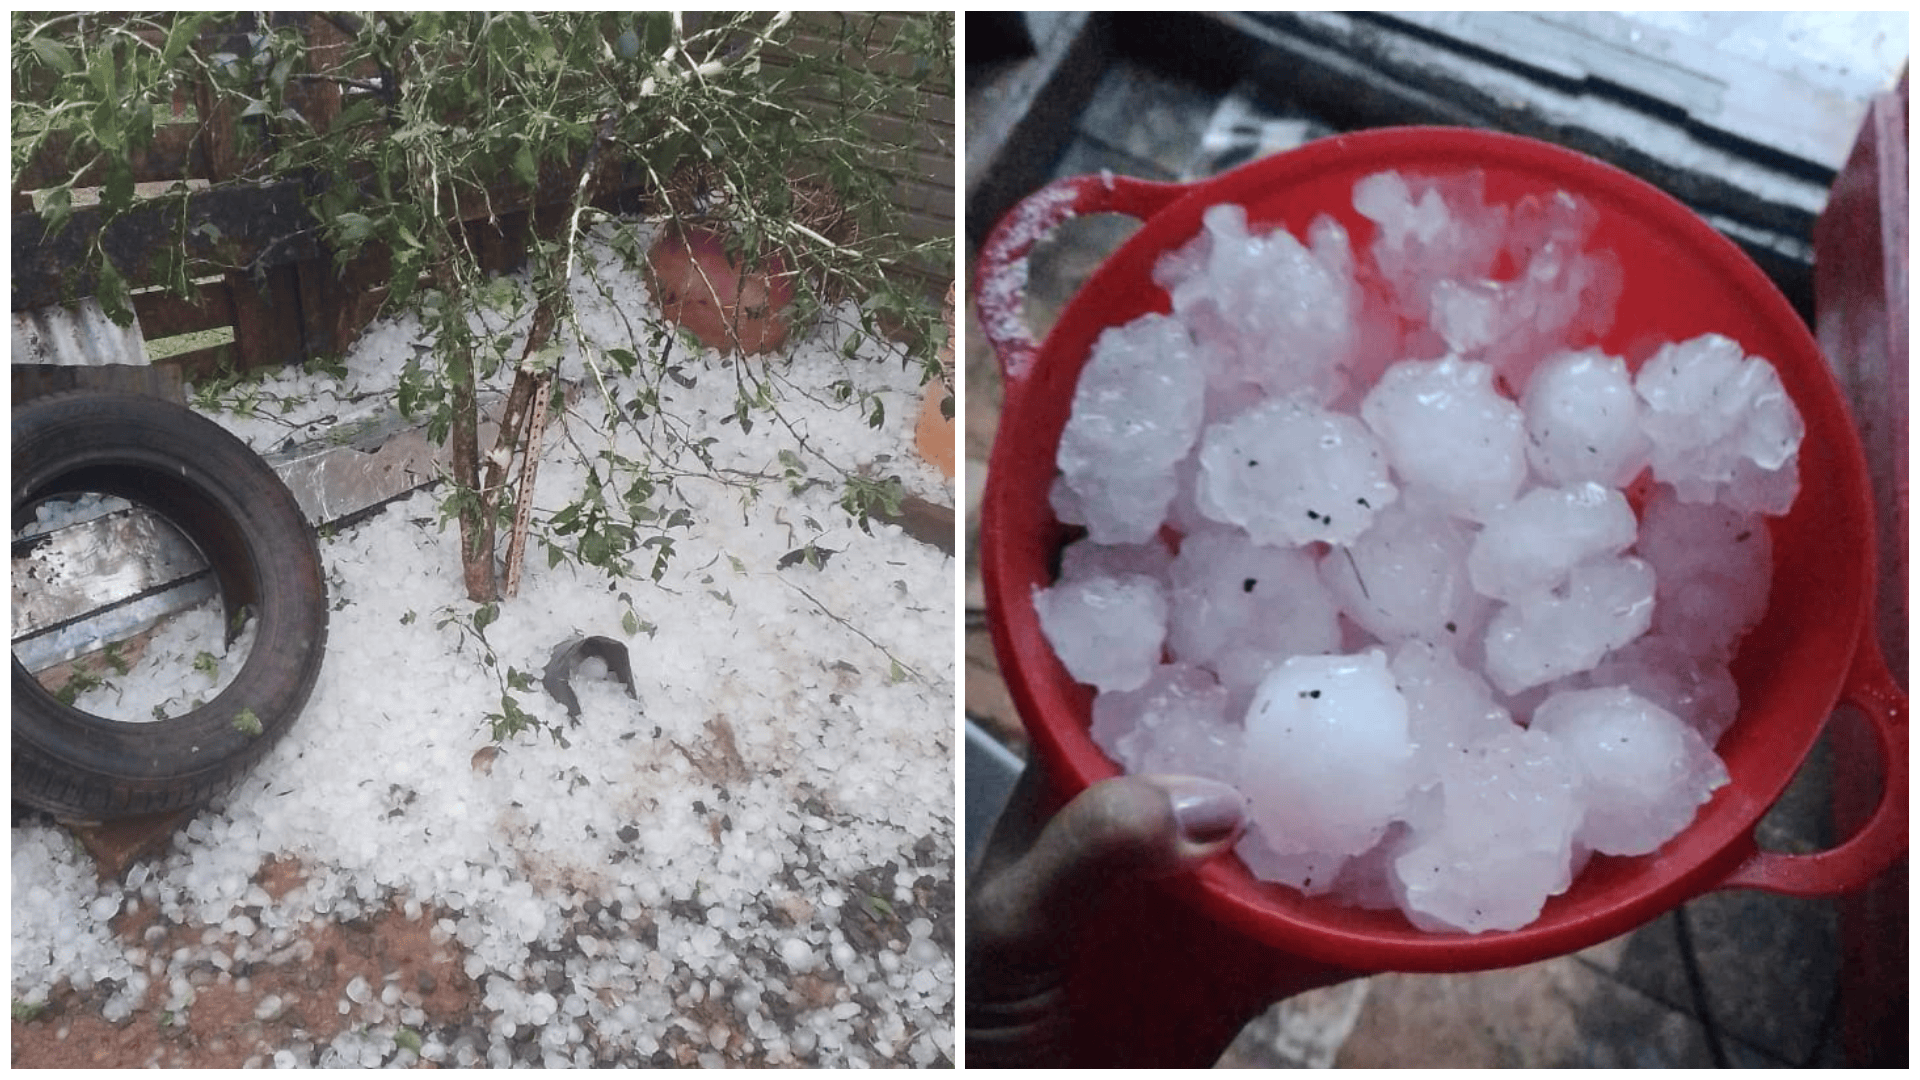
[524, 166]
[53, 54]
[117, 193]
[112, 293]
[56, 206]
[248, 724]
[353, 228]
[180, 35]
[484, 616]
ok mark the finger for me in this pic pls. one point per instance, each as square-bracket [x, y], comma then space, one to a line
[1113, 836]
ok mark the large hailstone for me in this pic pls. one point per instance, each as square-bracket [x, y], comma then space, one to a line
[1531, 545]
[1500, 841]
[1715, 569]
[1583, 420]
[1449, 433]
[1544, 636]
[1136, 411]
[1327, 761]
[1264, 308]
[1290, 472]
[1722, 426]
[1175, 722]
[1406, 577]
[1560, 294]
[1428, 231]
[1107, 631]
[1644, 772]
[1240, 608]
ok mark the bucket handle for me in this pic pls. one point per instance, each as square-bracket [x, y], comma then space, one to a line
[1880, 842]
[1000, 281]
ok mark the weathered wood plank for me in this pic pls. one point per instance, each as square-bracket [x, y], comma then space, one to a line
[162, 314]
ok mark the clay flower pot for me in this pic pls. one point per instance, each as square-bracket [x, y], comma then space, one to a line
[699, 287]
[934, 434]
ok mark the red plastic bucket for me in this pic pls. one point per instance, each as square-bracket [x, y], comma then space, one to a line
[1810, 652]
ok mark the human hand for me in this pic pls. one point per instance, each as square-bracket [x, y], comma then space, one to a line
[1075, 957]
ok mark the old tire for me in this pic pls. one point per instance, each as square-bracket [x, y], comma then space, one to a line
[233, 506]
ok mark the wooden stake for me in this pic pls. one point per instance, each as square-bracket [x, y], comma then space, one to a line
[529, 467]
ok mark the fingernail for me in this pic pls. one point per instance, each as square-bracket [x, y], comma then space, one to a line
[1207, 811]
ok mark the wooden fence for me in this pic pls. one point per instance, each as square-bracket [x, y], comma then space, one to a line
[286, 301]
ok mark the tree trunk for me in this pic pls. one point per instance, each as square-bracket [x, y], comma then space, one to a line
[476, 520]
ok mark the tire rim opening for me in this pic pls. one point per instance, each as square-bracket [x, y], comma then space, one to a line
[117, 613]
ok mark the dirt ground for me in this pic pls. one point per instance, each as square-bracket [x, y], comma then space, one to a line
[254, 1001]
[295, 998]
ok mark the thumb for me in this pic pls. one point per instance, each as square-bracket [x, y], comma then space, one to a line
[1114, 835]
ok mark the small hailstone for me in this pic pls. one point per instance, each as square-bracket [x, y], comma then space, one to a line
[1500, 841]
[1406, 577]
[1106, 631]
[1289, 472]
[1583, 420]
[1531, 544]
[1644, 772]
[1327, 758]
[1723, 428]
[1447, 431]
[1544, 636]
[1240, 608]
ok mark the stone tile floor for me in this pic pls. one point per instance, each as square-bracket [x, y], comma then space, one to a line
[1731, 978]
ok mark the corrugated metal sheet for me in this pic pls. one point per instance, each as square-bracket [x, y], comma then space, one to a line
[81, 336]
[81, 586]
